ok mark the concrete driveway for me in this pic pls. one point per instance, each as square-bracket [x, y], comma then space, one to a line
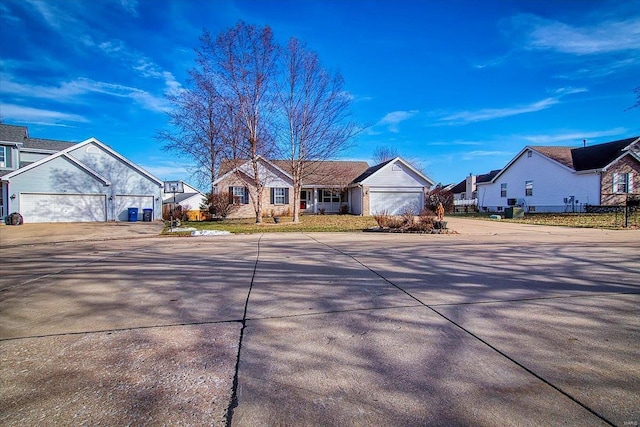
[497, 325]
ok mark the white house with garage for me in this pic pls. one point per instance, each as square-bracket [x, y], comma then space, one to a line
[57, 181]
[353, 187]
[565, 179]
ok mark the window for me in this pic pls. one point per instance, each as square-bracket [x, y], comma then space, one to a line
[3, 156]
[279, 196]
[529, 153]
[622, 182]
[503, 190]
[239, 195]
[528, 188]
[329, 196]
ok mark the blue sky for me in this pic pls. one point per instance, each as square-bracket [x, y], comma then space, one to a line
[457, 86]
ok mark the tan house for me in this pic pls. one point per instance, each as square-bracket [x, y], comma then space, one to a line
[329, 187]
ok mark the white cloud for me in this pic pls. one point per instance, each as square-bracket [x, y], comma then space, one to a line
[485, 114]
[576, 136]
[602, 37]
[130, 6]
[36, 115]
[74, 91]
[393, 119]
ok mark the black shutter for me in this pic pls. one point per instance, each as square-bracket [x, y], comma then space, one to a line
[286, 196]
[231, 195]
[271, 196]
[246, 195]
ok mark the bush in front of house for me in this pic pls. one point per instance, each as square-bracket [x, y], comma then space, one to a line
[407, 221]
[217, 204]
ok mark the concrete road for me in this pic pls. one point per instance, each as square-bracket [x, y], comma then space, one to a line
[501, 324]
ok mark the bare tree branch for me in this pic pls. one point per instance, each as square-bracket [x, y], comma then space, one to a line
[316, 115]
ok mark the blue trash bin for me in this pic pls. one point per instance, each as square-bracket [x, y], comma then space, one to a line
[147, 215]
[133, 214]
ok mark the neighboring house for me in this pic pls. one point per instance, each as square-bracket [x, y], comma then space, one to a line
[330, 187]
[190, 200]
[465, 194]
[564, 179]
[55, 181]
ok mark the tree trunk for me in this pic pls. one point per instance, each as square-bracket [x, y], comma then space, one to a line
[296, 202]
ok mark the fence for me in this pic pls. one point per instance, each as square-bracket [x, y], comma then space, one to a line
[627, 214]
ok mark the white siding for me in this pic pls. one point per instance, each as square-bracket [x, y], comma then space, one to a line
[125, 179]
[552, 182]
[58, 176]
[395, 174]
[122, 203]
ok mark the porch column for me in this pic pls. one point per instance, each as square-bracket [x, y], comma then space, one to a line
[315, 200]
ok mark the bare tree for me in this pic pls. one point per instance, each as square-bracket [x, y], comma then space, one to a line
[637, 104]
[384, 153]
[244, 61]
[196, 129]
[316, 113]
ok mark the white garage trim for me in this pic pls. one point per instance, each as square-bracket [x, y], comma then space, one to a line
[122, 203]
[43, 207]
[395, 202]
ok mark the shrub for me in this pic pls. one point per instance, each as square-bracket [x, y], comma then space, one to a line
[439, 195]
[217, 204]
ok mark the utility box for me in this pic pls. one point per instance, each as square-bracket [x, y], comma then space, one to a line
[133, 214]
[513, 212]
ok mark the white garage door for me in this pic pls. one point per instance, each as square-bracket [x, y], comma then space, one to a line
[123, 202]
[63, 207]
[395, 202]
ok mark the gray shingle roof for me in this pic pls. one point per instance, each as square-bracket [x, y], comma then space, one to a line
[47, 144]
[587, 158]
[11, 133]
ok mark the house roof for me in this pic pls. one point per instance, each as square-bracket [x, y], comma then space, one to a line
[373, 169]
[46, 144]
[580, 159]
[486, 177]
[327, 173]
[11, 133]
[20, 134]
[587, 158]
[460, 187]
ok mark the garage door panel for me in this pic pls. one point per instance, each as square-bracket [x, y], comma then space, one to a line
[395, 202]
[63, 207]
[123, 202]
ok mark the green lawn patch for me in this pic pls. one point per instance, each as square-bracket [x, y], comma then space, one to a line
[307, 224]
[578, 220]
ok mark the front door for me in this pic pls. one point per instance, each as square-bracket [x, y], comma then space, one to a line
[303, 199]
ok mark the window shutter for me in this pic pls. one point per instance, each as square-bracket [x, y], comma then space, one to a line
[286, 196]
[630, 183]
[271, 196]
[246, 195]
[230, 195]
